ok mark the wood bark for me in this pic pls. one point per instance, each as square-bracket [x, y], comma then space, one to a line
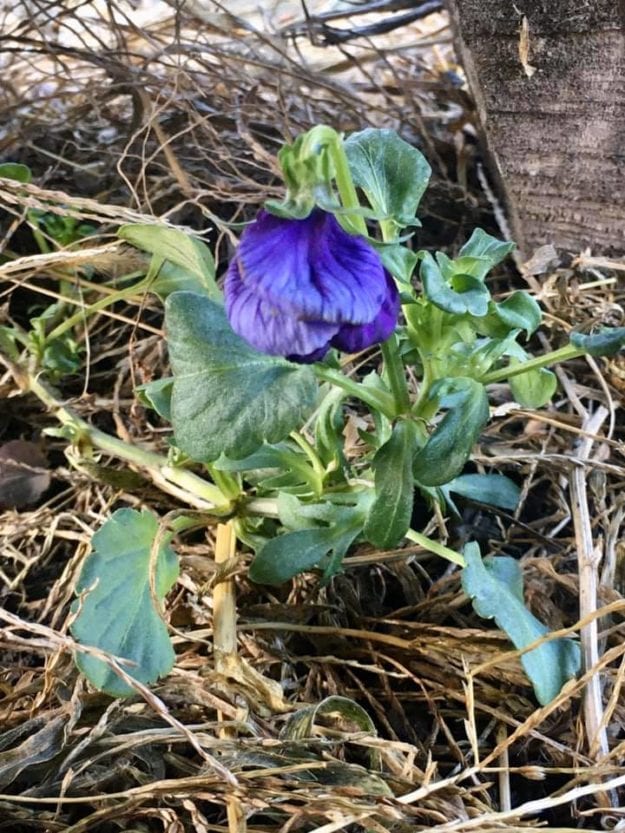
[548, 78]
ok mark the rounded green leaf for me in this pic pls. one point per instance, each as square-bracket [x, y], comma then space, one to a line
[392, 173]
[116, 612]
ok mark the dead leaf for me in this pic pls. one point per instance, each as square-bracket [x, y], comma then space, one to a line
[23, 474]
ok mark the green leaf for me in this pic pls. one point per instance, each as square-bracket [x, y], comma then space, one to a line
[157, 395]
[180, 249]
[534, 388]
[449, 447]
[391, 511]
[13, 170]
[171, 278]
[296, 552]
[399, 260]
[227, 398]
[605, 342]
[495, 585]
[482, 245]
[116, 613]
[468, 295]
[392, 173]
[323, 532]
[519, 312]
[492, 489]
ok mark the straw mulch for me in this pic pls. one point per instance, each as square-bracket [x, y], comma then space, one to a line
[126, 113]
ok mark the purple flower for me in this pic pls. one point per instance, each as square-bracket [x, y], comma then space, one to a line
[297, 287]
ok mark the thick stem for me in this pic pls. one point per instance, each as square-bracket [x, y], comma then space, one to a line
[556, 356]
[396, 374]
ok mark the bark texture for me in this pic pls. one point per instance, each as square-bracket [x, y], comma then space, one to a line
[555, 140]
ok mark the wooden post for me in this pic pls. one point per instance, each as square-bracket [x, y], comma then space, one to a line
[548, 77]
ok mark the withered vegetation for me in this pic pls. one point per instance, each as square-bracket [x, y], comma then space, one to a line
[158, 113]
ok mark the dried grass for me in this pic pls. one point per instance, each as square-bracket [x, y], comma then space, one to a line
[137, 116]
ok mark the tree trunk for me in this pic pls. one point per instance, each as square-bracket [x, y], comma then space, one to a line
[548, 78]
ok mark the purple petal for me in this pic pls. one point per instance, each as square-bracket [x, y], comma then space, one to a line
[268, 328]
[352, 338]
[313, 268]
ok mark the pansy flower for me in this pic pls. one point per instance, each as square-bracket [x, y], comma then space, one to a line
[295, 288]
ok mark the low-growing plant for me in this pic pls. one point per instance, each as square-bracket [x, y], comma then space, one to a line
[264, 377]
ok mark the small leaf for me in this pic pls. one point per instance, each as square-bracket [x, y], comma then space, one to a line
[286, 555]
[180, 249]
[495, 585]
[482, 245]
[23, 474]
[449, 447]
[605, 342]
[398, 260]
[389, 517]
[157, 395]
[116, 613]
[392, 173]
[469, 295]
[13, 170]
[492, 489]
[227, 398]
[534, 388]
[519, 312]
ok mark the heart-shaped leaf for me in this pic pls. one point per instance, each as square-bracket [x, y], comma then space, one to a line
[605, 342]
[117, 613]
[227, 398]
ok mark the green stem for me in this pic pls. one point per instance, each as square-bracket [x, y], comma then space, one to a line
[79, 316]
[312, 456]
[184, 484]
[554, 357]
[377, 399]
[396, 374]
[436, 548]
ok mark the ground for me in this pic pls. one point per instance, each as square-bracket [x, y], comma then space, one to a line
[125, 114]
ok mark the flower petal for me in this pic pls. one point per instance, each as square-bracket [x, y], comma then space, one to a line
[313, 268]
[268, 328]
[352, 338]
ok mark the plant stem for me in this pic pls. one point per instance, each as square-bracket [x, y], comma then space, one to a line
[377, 399]
[185, 485]
[436, 548]
[555, 356]
[396, 374]
[79, 316]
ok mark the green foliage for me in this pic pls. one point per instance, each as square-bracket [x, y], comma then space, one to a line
[227, 398]
[496, 587]
[389, 517]
[322, 535]
[451, 291]
[116, 612]
[605, 342]
[449, 446]
[392, 174]
[492, 489]
[16, 171]
[534, 388]
[157, 395]
[189, 264]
